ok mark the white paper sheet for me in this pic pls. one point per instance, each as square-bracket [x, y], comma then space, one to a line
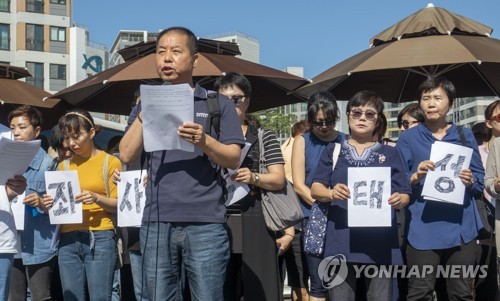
[443, 183]
[370, 189]
[15, 157]
[164, 109]
[131, 198]
[17, 206]
[64, 186]
[235, 190]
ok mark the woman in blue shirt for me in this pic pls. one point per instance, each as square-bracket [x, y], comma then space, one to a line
[38, 255]
[322, 115]
[360, 245]
[439, 233]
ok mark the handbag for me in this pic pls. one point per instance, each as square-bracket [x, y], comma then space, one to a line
[484, 207]
[281, 207]
[315, 232]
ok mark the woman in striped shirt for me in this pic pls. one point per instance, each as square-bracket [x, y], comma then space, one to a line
[255, 249]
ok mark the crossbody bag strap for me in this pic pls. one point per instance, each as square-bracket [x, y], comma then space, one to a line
[490, 240]
[105, 174]
[262, 157]
[335, 156]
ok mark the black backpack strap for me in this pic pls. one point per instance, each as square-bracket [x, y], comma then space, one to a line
[213, 120]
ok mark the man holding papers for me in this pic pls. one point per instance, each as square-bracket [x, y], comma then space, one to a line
[440, 233]
[184, 215]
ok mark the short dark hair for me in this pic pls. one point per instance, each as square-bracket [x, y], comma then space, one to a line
[192, 40]
[381, 127]
[114, 141]
[56, 138]
[325, 101]
[234, 78]
[414, 111]
[370, 98]
[252, 120]
[31, 113]
[488, 114]
[481, 132]
[432, 83]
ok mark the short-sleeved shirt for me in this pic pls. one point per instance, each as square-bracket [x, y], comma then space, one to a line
[440, 225]
[91, 178]
[378, 245]
[313, 147]
[185, 186]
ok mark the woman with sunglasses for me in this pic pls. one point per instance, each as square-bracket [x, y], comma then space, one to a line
[87, 251]
[439, 233]
[322, 115]
[360, 245]
[410, 116]
[259, 247]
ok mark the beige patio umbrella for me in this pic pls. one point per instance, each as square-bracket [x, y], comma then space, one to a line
[394, 68]
[111, 90]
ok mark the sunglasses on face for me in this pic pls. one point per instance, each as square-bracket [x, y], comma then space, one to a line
[369, 115]
[495, 118]
[406, 123]
[238, 99]
[323, 122]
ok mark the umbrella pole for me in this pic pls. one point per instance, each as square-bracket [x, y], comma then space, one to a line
[403, 86]
[484, 79]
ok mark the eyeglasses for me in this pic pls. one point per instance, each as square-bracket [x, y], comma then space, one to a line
[238, 99]
[406, 123]
[495, 118]
[356, 114]
[323, 122]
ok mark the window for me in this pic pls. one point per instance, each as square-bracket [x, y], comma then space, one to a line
[63, 2]
[36, 69]
[57, 71]
[303, 106]
[5, 5]
[34, 37]
[58, 34]
[4, 37]
[293, 108]
[34, 6]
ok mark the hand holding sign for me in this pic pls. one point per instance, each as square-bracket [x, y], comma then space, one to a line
[62, 187]
[370, 189]
[446, 183]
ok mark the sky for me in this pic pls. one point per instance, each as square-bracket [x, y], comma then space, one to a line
[314, 34]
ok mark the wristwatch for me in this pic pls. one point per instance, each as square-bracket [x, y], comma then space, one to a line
[256, 180]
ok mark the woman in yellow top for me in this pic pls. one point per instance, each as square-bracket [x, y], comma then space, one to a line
[87, 251]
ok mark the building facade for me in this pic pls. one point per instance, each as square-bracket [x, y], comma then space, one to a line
[40, 36]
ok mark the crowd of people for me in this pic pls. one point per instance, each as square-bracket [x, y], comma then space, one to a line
[191, 247]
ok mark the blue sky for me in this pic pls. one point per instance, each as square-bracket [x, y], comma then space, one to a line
[314, 34]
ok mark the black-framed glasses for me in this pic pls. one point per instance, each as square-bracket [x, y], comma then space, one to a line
[323, 122]
[238, 99]
[406, 123]
[369, 115]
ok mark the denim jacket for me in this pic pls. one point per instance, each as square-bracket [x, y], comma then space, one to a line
[36, 239]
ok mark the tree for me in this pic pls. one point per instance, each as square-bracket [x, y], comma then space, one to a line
[276, 121]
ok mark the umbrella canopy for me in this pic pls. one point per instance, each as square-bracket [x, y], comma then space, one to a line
[431, 21]
[396, 69]
[111, 91]
[13, 72]
[17, 92]
[14, 93]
